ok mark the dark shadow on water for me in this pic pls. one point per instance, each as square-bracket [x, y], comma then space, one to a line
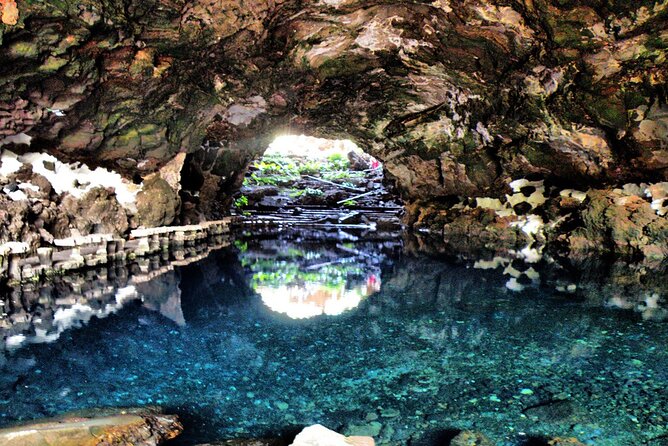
[534, 440]
[439, 437]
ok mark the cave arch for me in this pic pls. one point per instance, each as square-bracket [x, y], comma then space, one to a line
[457, 98]
[215, 175]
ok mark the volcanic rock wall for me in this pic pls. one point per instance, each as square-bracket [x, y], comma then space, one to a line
[458, 98]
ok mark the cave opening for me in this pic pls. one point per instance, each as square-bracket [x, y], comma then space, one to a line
[302, 180]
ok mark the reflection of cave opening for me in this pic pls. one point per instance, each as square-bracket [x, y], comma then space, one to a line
[302, 172]
[304, 279]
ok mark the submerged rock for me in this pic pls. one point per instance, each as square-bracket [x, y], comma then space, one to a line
[248, 442]
[141, 428]
[570, 441]
[470, 438]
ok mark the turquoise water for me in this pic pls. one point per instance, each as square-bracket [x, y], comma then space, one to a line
[367, 341]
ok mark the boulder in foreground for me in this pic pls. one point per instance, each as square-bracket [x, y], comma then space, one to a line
[318, 435]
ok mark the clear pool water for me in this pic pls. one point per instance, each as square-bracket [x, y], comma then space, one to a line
[403, 348]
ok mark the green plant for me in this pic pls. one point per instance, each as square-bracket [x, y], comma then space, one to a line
[242, 246]
[349, 203]
[313, 192]
[310, 168]
[241, 202]
[334, 157]
[336, 161]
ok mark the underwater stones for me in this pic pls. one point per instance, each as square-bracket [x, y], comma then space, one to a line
[371, 429]
[282, 405]
[140, 429]
[248, 442]
[552, 411]
[470, 438]
[318, 435]
[569, 441]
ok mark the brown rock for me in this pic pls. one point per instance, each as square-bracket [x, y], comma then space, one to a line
[623, 224]
[558, 441]
[157, 203]
[470, 438]
[98, 211]
[118, 429]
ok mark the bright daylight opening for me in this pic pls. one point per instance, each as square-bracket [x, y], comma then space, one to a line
[321, 184]
[299, 170]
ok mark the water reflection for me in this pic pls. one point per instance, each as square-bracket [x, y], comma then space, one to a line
[438, 346]
[40, 312]
[304, 280]
[592, 281]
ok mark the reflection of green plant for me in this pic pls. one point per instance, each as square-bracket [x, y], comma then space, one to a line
[273, 272]
[242, 246]
[241, 202]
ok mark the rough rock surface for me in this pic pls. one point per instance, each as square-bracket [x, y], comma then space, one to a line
[139, 429]
[456, 97]
[470, 438]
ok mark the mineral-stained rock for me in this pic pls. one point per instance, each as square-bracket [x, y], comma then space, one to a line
[98, 211]
[141, 429]
[157, 203]
[625, 224]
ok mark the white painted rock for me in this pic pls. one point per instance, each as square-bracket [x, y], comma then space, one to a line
[318, 435]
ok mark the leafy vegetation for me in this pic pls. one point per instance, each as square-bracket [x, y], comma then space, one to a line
[278, 170]
[273, 272]
[241, 202]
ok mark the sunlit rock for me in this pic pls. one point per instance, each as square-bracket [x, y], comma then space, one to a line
[318, 435]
